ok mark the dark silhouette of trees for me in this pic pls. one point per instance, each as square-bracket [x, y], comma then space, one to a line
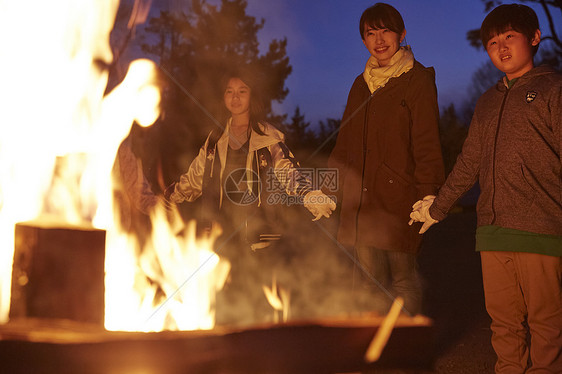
[298, 134]
[327, 134]
[482, 79]
[311, 145]
[453, 132]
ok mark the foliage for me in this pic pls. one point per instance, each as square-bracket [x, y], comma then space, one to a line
[312, 146]
[298, 132]
[482, 79]
[328, 132]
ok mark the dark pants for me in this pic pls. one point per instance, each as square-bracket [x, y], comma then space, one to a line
[388, 274]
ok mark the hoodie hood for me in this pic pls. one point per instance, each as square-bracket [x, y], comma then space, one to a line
[502, 84]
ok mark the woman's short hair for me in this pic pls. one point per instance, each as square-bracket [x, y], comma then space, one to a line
[380, 16]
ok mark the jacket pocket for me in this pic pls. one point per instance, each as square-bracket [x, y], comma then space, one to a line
[396, 193]
[391, 176]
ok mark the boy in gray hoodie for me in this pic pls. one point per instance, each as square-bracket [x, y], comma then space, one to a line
[514, 149]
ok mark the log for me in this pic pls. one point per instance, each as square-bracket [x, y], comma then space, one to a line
[58, 272]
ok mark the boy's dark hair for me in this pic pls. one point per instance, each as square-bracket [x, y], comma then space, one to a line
[380, 16]
[506, 17]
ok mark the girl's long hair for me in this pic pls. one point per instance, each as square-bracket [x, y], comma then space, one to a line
[257, 111]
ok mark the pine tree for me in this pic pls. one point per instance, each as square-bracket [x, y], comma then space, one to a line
[298, 134]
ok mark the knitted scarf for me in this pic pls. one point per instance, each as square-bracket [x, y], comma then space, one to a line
[377, 76]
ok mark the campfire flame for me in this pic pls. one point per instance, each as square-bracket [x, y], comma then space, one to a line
[279, 299]
[59, 136]
[176, 264]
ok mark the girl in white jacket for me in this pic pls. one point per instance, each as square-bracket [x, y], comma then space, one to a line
[240, 169]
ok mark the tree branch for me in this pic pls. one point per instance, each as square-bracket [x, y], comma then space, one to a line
[553, 36]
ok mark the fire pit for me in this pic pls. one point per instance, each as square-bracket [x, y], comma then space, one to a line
[320, 346]
[45, 335]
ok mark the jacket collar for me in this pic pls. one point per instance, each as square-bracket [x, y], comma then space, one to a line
[534, 72]
[271, 136]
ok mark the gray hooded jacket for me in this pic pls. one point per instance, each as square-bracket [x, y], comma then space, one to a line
[513, 149]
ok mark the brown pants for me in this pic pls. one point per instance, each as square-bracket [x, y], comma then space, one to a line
[523, 293]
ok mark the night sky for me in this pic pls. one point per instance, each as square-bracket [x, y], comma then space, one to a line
[327, 53]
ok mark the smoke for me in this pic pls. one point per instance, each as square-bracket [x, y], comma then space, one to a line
[319, 274]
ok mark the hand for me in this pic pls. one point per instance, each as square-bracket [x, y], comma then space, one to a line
[319, 204]
[171, 196]
[169, 191]
[419, 208]
[420, 213]
[168, 205]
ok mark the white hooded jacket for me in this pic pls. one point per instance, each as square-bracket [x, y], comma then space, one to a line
[189, 187]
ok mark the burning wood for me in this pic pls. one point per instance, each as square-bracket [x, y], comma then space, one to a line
[58, 272]
[383, 333]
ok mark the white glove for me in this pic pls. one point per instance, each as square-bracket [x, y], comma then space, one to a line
[420, 213]
[319, 204]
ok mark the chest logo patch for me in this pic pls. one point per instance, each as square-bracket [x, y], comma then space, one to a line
[531, 95]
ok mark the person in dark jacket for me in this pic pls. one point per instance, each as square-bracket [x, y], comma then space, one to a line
[389, 155]
[514, 150]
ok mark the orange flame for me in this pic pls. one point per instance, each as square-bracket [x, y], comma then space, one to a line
[174, 263]
[279, 299]
[59, 136]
